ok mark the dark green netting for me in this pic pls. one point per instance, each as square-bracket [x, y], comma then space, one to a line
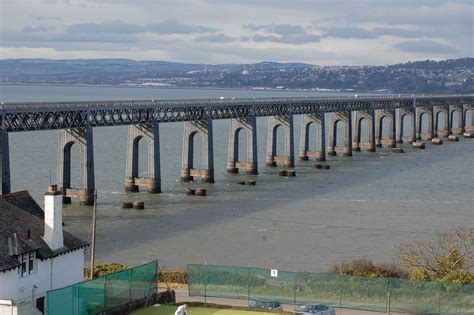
[196, 276]
[414, 296]
[361, 293]
[265, 286]
[143, 281]
[318, 288]
[63, 301]
[118, 289]
[104, 293]
[364, 293]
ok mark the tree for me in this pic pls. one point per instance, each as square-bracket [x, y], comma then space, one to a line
[451, 254]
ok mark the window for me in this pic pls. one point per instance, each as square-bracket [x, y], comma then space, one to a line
[27, 264]
[31, 262]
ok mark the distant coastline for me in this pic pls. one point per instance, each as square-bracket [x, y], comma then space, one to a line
[454, 76]
[182, 88]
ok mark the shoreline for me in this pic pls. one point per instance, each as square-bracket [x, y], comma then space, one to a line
[256, 89]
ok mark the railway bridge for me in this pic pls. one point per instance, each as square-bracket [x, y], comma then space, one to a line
[77, 120]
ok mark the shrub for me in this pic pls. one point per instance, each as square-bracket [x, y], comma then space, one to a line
[451, 252]
[104, 269]
[460, 277]
[173, 276]
[366, 267]
[420, 274]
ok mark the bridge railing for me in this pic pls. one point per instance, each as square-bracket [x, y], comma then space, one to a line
[84, 105]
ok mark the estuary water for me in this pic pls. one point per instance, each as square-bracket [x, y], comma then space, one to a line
[364, 206]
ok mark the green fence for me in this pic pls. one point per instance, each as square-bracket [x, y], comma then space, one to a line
[361, 293]
[104, 293]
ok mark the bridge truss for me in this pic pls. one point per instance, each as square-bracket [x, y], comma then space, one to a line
[69, 115]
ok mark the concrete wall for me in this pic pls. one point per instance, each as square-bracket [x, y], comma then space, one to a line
[67, 269]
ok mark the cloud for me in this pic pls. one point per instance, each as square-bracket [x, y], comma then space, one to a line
[280, 29]
[425, 47]
[364, 32]
[398, 32]
[281, 33]
[32, 29]
[58, 39]
[356, 32]
[217, 38]
[115, 31]
[111, 27]
[167, 27]
[47, 18]
[348, 32]
[173, 26]
[57, 1]
[287, 39]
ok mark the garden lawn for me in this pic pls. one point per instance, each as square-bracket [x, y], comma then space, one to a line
[169, 310]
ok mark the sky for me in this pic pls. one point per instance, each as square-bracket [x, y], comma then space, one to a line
[321, 32]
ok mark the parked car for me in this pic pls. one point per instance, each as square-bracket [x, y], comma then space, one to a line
[314, 309]
[261, 304]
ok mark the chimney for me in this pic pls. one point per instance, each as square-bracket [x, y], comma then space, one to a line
[12, 243]
[53, 218]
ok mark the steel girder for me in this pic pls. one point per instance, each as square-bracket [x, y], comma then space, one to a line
[67, 115]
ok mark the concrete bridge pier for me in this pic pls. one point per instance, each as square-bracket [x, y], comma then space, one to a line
[288, 157]
[441, 131]
[459, 129]
[468, 110]
[5, 162]
[346, 119]
[206, 172]
[369, 146]
[390, 141]
[152, 182]
[420, 111]
[401, 136]
[83, 137]
[251, 164]
[304, 152]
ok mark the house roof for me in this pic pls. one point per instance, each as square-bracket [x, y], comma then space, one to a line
[23, 200]
[22, 229]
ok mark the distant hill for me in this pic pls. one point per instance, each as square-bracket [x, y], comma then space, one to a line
[447, 76]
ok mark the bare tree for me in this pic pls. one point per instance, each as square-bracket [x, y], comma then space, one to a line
[452, 251]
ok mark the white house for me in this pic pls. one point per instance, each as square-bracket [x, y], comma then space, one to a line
[36, 255]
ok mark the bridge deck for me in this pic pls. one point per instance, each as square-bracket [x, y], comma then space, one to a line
[66, 115]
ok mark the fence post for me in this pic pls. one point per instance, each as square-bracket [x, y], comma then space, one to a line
[248, 289]
[130, 286]
[389, 291]
[78, 301]
[341, 277]
[157, 278]
[439, 298]
[105, 293]
[205, 284]
[294, 295]
[235, 278]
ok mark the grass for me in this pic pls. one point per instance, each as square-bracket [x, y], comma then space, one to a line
[170, 309]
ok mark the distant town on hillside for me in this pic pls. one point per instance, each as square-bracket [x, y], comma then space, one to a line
[447, 76]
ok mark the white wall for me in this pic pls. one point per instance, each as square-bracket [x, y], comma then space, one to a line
[22, 309]
[67, 269]
[7, 308]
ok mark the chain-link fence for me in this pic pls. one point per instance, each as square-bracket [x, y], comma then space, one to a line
[361, 293]
[105, 293]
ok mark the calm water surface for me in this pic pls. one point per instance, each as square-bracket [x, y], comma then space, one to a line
[363, 206]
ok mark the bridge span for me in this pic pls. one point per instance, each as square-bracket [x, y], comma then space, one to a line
[76, 120]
